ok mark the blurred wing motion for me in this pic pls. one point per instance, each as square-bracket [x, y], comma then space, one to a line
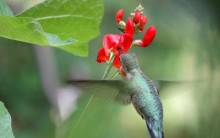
[161, 84]
[109, 89]
[117, 89]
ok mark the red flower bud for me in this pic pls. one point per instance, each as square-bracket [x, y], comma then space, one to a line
[148, 36]
[129, 28]
[103, 55]
[141, 27]
[119, 15]
[142, 23]
[143, 19]
[137, 17]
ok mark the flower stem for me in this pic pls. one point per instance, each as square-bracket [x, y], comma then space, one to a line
[109, 67]
[115, 74]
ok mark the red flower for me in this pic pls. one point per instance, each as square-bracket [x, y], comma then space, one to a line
[114, 43]
[118, 44]
[103, 55]
[119, 15]
[148, 37]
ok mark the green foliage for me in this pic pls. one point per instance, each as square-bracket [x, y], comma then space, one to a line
[22, 92]
[186, 47]
[68, 25]
[5, 123]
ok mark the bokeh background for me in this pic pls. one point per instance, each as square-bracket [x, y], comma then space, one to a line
[186, 48]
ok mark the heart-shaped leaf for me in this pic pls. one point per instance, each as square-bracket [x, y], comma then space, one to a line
[66, 24]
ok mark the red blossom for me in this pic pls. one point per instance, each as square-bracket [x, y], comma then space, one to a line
[118, 44]
[114, 43]
[148, 36]
[119, 15]
[103, 55]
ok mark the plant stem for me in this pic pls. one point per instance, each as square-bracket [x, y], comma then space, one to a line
[116, 73]
[109, 67]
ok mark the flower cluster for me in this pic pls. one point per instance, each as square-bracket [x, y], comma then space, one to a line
[114, 44]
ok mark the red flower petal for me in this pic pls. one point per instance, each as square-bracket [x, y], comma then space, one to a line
[110, 41]
[129, 28]
[117, 62]
[103, 55]
[119, 15]
[137, 17]
[125, 42]
[149, 36]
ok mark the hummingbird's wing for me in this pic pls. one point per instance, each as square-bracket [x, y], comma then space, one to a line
[161, 84]
[109, 89]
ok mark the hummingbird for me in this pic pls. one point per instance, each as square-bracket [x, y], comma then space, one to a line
[137, 89]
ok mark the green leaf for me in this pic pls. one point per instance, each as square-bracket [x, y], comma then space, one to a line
[66, 24]
[5, 123]
[27, 30]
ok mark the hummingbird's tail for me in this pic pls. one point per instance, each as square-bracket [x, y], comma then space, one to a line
[155, 128]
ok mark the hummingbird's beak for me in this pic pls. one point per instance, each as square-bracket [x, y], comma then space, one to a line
[120, 51]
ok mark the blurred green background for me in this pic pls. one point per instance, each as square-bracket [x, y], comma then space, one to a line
[186, 47]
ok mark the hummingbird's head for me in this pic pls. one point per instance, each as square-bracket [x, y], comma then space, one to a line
[129, 62]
